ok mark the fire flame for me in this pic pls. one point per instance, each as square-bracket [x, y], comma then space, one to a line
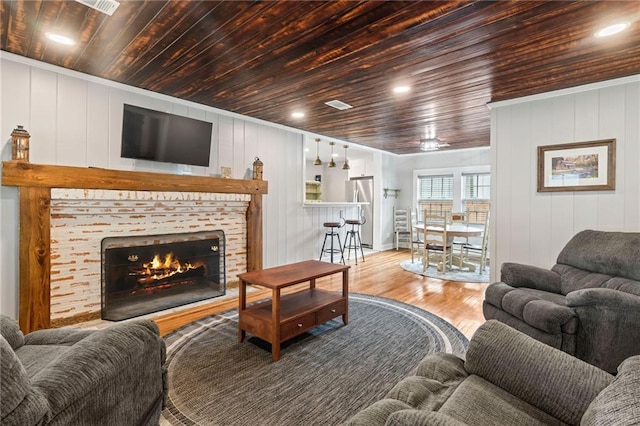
[159, 269]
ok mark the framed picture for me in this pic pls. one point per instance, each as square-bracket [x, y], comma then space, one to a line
[578, 166]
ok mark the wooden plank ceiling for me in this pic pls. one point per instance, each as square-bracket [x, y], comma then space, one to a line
[268, 59]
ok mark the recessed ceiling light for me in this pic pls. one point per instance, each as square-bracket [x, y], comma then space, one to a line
[613, 29]
[401, 89]
[298, 114]
[60, 39]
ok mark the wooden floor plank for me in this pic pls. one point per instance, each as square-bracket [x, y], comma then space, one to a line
[379, 275]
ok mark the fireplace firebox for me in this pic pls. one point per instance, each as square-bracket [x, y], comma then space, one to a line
[145, 274]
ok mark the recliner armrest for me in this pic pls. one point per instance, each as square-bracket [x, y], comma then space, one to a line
[556, 382]
[519, 275]
[604, 297]
[57, 336]
[109, 374]
[11, 332]
[608, 319]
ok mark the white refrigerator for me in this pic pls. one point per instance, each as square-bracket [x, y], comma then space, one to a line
[360, 189]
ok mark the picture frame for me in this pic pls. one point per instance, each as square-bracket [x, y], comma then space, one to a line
[577, 166]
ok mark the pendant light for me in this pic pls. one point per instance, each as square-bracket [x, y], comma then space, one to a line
[318, 161]
[345, 166]
[332, 163]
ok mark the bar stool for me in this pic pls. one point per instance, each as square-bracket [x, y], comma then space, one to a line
[331, 233]
[352, 240]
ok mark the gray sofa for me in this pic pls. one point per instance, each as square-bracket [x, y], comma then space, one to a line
[509, 378]
[587, 305]
[114, 376]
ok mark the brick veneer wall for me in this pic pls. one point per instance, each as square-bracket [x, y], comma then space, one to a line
[80, 219]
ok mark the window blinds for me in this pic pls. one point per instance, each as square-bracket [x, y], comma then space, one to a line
[476, 186]
[435, 187]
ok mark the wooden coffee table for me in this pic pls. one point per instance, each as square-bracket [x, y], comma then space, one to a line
[286, 316]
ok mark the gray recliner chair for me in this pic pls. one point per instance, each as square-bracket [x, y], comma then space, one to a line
[508, 379]
[587, 305]
[114, 376]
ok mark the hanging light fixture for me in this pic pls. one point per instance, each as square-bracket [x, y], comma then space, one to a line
[430, 142]
[332, 163]
[317, 161]
[345, 166]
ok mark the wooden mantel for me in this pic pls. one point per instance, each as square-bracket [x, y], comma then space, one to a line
[35, 182]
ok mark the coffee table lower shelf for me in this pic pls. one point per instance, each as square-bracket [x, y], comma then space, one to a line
[294, 314]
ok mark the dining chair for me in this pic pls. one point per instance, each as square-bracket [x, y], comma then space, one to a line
[460, 242]
[436, 242]
[482, 248]
[401, 226]
[416, 241]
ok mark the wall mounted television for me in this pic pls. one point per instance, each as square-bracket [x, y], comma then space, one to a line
[160, 136]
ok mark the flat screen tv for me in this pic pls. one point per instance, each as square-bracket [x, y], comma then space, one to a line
[160, 136]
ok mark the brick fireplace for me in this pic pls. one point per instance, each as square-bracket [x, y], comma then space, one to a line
[82, 219]
[66, 211]
[150, 273]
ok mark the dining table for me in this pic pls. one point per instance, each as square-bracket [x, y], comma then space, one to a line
[455, 229]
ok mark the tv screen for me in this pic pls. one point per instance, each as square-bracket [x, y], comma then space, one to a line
[159, 136]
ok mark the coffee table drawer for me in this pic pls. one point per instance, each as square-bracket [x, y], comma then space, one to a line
[293, 328]
[331, 311]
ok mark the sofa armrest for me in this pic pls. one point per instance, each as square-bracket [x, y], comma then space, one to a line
[112, 376]
[604, 297]
[10, 330]
[555, 382]
[519, 275]
[618, 403]
[20, 404]
[608, 319]
[57, 336]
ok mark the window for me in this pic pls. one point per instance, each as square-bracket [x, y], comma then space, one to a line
[453, 189]
[435, 195]
[476, 191]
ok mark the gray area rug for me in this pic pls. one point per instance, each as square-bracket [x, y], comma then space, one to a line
[453, 275]
[322, 378]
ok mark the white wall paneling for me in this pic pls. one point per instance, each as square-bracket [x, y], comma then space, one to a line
[631, 173]
[532, 227]
[15, 104]
[97, 125]
[76, 119]
[71, 121]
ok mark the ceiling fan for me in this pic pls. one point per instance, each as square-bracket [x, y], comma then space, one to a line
[430, 142]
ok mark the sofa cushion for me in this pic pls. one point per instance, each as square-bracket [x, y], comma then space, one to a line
[481, 403]
[609, 253]
[35, 358]
[625, 285]
[543, 310]
[572, 278]
[436, 377]
[564, 385]
[617, 404]
[565, 342]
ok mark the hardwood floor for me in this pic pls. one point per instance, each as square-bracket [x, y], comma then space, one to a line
[380, 275]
